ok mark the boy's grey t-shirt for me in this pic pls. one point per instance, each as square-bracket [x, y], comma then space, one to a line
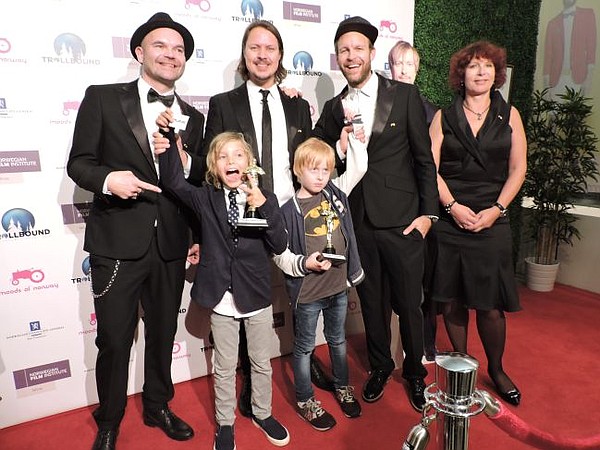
[318, 285]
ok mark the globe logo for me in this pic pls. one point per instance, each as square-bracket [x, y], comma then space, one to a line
[17, 220]
[85, 266]
[253, 7]
[69, 45]
[303, 61]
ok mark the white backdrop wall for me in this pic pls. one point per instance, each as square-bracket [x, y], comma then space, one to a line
[50, 51]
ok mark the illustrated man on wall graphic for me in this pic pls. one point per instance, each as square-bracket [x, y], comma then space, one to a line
[570, 49]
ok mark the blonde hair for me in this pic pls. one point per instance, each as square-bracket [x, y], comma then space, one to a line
[312, 152]
[400, 48]
[212, 175]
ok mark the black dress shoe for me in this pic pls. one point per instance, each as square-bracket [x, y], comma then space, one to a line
[318, 375]
[373, 389]
[245, 400]
[105, 440]
[513, 396]
[172, 425]
[416, 393]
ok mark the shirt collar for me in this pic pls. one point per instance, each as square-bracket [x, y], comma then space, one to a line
[369, 89]
[144, 87]
[254, 90]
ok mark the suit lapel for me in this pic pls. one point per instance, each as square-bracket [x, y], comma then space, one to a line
[457, 120]
[385, 100]
[241, 105]
[219, 207]
[130, 104]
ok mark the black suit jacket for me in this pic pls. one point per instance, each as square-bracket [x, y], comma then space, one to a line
[110, 136]
[230, 111]
[246, 268]
[400, 183]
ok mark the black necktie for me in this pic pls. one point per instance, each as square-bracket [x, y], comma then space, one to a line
[233, 214]
[267, 139]
[166, 100]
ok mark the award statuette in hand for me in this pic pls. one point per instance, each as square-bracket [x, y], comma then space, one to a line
[329, 251]
[251, 218]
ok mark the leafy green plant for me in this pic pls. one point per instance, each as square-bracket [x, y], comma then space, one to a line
[561, 161]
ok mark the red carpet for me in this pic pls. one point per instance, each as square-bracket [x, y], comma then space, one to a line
[552, 355]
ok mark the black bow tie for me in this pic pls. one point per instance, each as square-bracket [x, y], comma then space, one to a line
[166, 100]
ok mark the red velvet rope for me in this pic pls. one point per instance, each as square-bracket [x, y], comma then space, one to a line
[518, 429]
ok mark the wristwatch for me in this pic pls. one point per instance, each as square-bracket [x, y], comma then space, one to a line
[433, 218]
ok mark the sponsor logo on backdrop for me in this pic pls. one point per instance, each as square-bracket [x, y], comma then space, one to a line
[69, 49]
[92, 321]
[27, 281]
[333, 64]
[10, 113]
[46, 373]
[5, 48]
[20, 161]
[33, 275]
[251, 10]
[70, 106]
[301, 12]
[389, 25]
[180, 350]
[19, 223]
[204, 5]
[85, 269]
[200, 102]
[121, 47]
[35, 331]
[303, 64]
[75, 213]
[4, 45]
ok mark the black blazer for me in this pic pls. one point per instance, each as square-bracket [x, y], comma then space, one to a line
[110, 136]
[246, 268]
[230, 111]
[400, 183]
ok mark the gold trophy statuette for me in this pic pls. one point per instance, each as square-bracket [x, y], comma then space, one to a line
[251, 218]
[329, 251]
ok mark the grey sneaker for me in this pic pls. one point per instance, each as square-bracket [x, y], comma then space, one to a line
[318, 418]
[345, 398]
[224, 438]
[276, 433]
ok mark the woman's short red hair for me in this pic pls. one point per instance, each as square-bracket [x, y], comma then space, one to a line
[480, 49]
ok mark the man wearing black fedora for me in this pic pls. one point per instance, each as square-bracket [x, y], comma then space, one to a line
[393, 206]
[137, 236]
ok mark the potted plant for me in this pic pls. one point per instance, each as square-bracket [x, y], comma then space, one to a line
[561, 160]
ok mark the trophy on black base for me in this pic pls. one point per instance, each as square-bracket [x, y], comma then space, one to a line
[251, 218]
[329, 250]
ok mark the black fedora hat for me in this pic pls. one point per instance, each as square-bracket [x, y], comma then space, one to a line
[358, 24]
[162, 20]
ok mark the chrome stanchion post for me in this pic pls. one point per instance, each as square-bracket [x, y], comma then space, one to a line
[454, 397]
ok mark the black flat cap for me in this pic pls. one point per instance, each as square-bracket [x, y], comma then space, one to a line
[162, 20]
[358, 24]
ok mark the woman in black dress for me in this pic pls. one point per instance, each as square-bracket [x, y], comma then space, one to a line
[480, 149]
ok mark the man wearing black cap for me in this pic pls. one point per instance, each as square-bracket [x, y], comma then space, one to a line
[136, 235]
[392, 207]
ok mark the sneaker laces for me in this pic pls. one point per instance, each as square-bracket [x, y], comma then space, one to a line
[312, 408]
[346, 394]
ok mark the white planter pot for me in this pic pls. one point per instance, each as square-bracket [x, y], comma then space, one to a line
[541, 277]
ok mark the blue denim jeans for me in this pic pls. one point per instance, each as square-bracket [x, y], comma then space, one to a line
[334, 327]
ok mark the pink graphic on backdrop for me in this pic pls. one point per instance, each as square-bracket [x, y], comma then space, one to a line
[35, 275]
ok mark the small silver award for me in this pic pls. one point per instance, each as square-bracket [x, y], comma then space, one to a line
[251, 218]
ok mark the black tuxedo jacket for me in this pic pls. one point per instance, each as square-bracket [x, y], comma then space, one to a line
[246, 268]
[110, 136]
[400, 183]
[230, 111]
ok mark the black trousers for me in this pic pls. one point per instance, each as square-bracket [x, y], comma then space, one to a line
[393, 265]
[157, 285]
